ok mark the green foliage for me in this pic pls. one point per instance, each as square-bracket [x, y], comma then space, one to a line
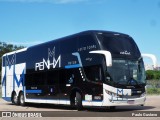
[152, 75]
[153, 91]
[154, 83]
[5, 48]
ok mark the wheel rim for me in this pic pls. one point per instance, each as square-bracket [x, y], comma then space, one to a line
[22, 99]
[75, 99]
[15, 98]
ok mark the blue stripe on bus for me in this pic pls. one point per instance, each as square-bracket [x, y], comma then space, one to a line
[67, 100]
[7, 98]
[3, 80]
[33, 91]
[50, 99]
[72, 66]
[19, 81]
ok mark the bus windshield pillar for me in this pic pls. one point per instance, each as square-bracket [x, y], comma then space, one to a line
[107, 55]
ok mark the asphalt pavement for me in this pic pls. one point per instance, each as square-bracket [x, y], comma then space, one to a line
[46, 111]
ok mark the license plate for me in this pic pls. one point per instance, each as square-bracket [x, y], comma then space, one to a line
[130, 101]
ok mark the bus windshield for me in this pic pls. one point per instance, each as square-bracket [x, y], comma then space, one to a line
[126, 72]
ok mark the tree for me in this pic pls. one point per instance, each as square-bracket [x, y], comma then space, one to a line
[152, 75]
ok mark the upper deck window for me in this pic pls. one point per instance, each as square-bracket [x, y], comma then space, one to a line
[86, 43]
[119, 45]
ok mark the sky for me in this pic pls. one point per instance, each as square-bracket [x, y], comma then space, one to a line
[30, 22]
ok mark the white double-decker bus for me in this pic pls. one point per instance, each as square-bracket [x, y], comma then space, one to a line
[91, 68]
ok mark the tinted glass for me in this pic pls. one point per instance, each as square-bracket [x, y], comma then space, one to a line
[120, 46]
[93, 73]
[52, 77]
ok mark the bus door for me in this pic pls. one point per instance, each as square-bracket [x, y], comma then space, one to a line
[52, 88]
[66, 79]
[92, 85]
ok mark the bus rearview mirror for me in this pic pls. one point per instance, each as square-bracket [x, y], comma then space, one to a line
[107, 55]
[153, 58]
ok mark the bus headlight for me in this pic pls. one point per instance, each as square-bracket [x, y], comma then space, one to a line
[111, 93]
[143, 94]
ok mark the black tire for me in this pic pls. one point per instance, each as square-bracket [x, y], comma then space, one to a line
[73, 99]
[21, 99]
[112, 108]
[14, 98]
[78, 101]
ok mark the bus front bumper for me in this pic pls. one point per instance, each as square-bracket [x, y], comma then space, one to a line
[123, 102]
[121, 97]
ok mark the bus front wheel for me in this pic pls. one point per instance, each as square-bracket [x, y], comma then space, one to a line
[78, 101]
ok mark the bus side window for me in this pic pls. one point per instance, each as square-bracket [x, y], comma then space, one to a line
[62, 77]
[52, 77]
[38, 78]
[30, 81]
[94, 73]
[86, 43]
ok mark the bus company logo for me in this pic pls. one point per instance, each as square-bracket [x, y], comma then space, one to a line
[9, 61]
[51, 62]
[125, 53]
[120, 92]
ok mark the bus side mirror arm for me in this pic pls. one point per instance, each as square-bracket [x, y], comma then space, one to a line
[153, 58]
[107, 55]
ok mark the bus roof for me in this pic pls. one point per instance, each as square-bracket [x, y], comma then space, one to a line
[69, 36]
[82, 33]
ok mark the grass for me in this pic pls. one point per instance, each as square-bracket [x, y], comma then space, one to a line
[152, 91]
[154, 87]
[153, 83]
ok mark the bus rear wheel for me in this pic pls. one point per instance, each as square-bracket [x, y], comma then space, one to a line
[112, 108]
[21, 99]
[14, 98]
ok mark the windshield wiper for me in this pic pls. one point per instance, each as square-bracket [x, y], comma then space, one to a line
[132, 81]
[119, 85]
